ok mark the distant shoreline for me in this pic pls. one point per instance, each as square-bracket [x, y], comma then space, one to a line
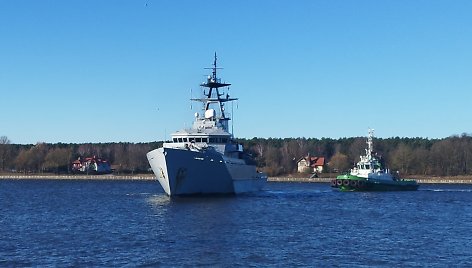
[151, 177]
[77, 177]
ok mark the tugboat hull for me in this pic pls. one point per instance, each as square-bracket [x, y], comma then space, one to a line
[349, 183]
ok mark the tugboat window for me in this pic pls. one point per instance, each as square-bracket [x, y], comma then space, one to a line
[180, 139]
[212, 140]
[198, 139]
[185, 139]
[175, 139]
[204, 139]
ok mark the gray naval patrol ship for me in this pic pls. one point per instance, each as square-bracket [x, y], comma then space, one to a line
[206, 159]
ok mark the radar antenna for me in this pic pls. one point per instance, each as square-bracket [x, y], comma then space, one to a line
[214, 96]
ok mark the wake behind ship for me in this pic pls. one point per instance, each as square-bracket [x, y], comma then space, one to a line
[206, 159]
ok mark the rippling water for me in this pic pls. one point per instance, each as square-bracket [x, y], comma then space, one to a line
[132, 223]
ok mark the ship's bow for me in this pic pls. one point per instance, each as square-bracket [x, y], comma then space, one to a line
[158, 165]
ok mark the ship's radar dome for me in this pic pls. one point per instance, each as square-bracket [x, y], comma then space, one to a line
[210, 113]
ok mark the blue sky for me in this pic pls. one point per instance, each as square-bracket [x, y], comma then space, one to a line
[112, 71]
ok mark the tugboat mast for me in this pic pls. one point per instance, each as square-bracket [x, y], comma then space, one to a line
[370, 144]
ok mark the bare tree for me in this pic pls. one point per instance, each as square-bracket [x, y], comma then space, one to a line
[402, 158]
[87, 150]
[339, 162]
[120, 156]
[22, 160]
[356, 149]
[58, 157]
[137, 157]
[273, 159]
[421, 162]
[440, 154]
[5, 152]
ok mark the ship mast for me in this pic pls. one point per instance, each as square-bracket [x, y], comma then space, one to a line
[214, 96]
[370, 144]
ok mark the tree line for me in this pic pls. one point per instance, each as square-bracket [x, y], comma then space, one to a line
[410, 156]
[450, 156]
[126, 158]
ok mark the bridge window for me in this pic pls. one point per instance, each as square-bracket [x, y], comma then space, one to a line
[180, 139]
[175, 139]
[198, 140]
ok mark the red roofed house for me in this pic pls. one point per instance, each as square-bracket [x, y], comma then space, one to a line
[309, 163]
[91, 165]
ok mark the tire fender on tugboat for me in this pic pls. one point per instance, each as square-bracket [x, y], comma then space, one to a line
[353, 183]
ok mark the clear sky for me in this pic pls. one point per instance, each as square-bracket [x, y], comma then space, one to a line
[124, 71]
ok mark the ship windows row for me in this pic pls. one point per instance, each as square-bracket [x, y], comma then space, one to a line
[206, 140]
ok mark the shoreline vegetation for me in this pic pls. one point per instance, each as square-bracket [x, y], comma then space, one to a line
[151, 177]
[277, 157]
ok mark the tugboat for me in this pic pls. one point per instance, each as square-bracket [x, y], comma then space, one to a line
[206, 159]
[370, 175]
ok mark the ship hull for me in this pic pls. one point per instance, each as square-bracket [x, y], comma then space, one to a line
[350, 183]
[187, 172]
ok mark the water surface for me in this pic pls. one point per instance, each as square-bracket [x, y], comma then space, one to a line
[133, 223]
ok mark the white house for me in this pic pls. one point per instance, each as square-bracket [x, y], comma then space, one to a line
[309, 163]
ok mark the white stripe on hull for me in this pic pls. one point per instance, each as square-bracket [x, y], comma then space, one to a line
[185, 172]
